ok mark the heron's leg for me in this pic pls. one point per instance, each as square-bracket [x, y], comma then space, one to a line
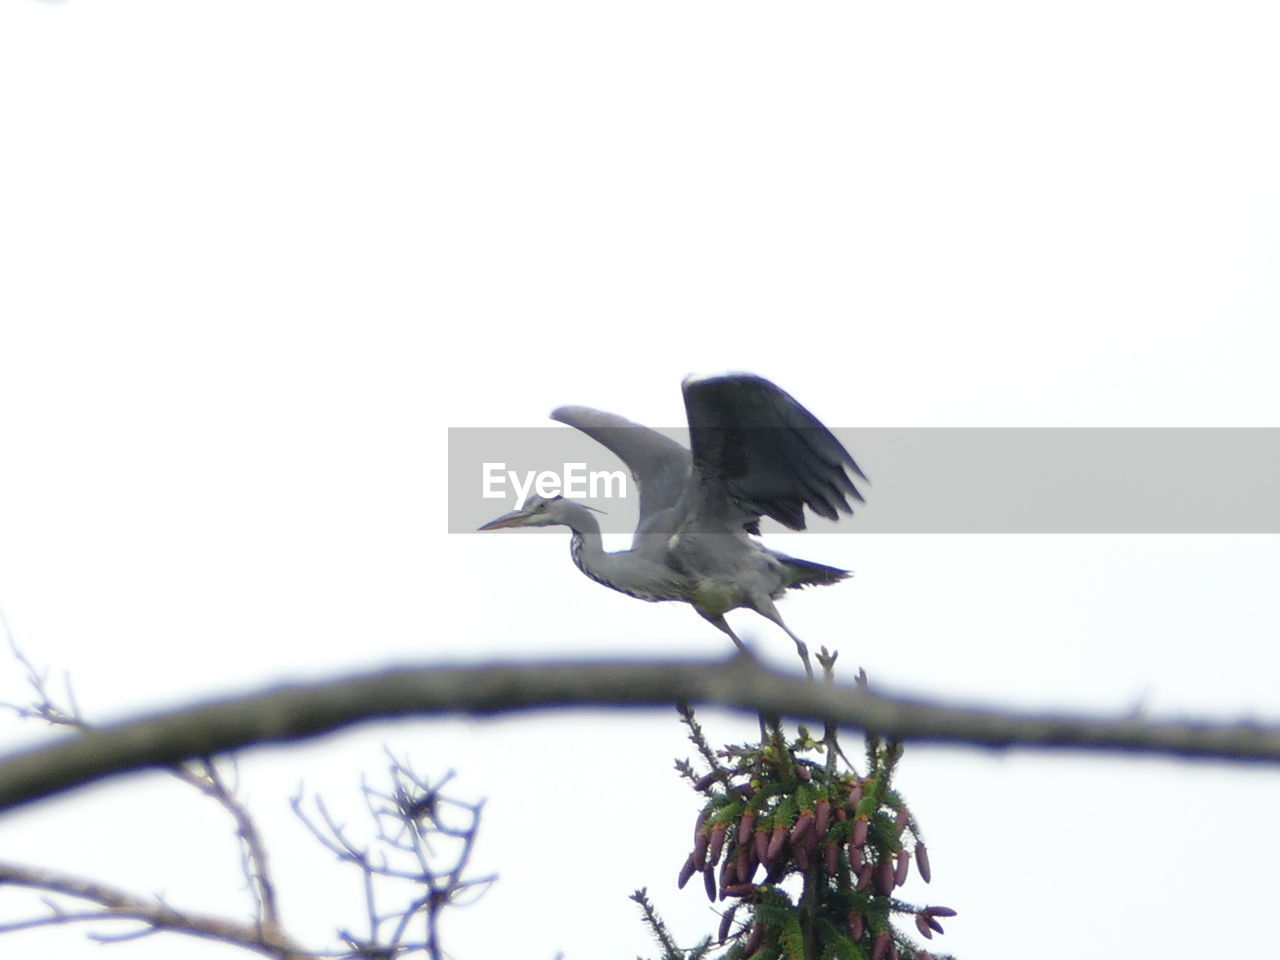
[720, 623]
[767, 610]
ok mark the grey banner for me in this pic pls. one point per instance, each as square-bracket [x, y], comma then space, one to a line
[933, 480]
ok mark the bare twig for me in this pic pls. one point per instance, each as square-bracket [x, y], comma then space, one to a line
[407, 819]
[409, 822]
[44, 706]
[201, 773]
[154, 915]
[205, 776]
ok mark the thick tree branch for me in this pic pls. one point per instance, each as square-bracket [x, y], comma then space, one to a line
[298, 711]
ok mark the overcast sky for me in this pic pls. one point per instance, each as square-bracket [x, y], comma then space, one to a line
[256, 258]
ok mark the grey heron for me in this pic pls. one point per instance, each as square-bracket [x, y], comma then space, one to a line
[755, 452]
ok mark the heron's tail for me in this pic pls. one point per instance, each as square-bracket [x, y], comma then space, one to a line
[806, 573]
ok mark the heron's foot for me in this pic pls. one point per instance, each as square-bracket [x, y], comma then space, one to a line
[803, 650]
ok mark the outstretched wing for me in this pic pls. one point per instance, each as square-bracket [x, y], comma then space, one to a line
[757, 452]
[659, 465]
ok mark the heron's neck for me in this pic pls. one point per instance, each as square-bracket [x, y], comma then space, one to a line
[584, 525]
[587, 546]
[625, 571]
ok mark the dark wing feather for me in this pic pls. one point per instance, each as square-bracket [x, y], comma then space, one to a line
[755, 446]
[659, 465]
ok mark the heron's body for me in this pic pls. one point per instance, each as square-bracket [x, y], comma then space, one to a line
[756, 452]
[716, 572]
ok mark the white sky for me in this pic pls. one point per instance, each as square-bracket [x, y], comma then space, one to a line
[257, 257]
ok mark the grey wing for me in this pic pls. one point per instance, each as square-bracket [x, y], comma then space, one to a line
[659, 465]
[758, 452]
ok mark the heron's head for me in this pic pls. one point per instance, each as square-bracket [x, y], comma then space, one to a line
[536, 512]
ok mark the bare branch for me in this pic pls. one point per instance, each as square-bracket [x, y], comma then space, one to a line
[202, 774]
[154, 915]
[298, 711]
[404, 819]
[45, 706]
[253, 850]
[423, 880]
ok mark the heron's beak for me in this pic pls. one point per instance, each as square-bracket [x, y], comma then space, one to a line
[516, 518]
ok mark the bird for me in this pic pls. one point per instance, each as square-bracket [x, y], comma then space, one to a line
[754, 452]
